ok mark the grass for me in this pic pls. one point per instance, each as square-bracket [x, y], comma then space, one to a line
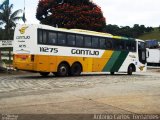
[152, 35]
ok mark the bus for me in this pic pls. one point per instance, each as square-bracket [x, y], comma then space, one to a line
[69, 52]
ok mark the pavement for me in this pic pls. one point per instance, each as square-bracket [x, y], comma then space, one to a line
[29, 93]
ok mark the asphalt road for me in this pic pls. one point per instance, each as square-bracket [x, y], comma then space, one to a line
[28, 93]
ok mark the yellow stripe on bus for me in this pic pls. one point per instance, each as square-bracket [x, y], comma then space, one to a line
[99, 63]
[50, 63]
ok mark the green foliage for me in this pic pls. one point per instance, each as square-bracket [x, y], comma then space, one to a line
[127, 31]
[151, 35]
[3, 35]
[5, 2]
[8, 20]
[79, 14]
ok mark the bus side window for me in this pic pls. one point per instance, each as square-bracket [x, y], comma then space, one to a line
[79, 40]
[133, 45]
[122, 45]
[61, 38]
[87, 41]
[95, 42]
[44, 37]
[128, 45]
[102, 43]
[40, 36]
[119, 44]
[71, 41]
[108, 43]
[52, 38]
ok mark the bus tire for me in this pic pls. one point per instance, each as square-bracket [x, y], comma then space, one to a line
[112, 73]
[76, 69]
[130, 70]
[63, 70]
[44, 74]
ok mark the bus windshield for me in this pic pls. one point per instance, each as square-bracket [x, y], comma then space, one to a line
[142, 52]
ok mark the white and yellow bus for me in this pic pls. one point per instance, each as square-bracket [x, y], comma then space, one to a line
[63, 52]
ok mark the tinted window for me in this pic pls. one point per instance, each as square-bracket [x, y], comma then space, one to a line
[71, 39]
[122, 44]
[52, 38]
[79, 40]
[40, 36]
[141, 45]
[61, 38]
[44, 36]
[95, 42]
[102, 43]
[119, 44]
[130, 45]
[87, 41]
[108, 43]
[133, 46]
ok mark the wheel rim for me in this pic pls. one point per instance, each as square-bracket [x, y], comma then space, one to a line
[63, 70]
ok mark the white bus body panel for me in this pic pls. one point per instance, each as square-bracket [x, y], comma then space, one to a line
[25, 39]
[132, 58]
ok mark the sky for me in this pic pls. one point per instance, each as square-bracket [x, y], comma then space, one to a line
[119, 12]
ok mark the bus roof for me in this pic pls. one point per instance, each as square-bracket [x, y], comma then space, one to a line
[79, 31]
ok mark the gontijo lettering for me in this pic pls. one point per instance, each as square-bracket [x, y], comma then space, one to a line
[23, 37]
[84, 52]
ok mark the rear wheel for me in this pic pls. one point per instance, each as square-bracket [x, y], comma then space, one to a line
[44, 74]
[76, 69]
[63, 69]
[130, 70]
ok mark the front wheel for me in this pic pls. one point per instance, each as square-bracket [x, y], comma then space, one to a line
[130, 70]
[44, 74]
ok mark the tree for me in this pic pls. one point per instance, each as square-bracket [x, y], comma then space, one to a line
[112, 29]
[149, 29]
[128, 31]
[8, 19]
[79, 14]
[136, 30]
